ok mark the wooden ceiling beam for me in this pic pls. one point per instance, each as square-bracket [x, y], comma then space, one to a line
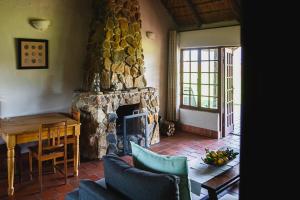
[196, 4]
[236, 9]
[166, 5]
[195, 12]
[205, 13]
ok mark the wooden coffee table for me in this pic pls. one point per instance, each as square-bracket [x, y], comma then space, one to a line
[222, 182]
[214, 179]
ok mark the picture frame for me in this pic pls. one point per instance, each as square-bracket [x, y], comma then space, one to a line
[32, 53]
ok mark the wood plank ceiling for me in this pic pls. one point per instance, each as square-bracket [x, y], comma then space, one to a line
[195, 13]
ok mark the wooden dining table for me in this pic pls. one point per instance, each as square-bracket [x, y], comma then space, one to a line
[25, 129]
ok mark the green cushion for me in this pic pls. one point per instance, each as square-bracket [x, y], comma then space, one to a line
[176, 165]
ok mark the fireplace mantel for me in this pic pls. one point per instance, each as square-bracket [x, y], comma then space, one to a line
[98, 121]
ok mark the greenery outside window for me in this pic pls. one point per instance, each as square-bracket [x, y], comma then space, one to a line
[200, 78]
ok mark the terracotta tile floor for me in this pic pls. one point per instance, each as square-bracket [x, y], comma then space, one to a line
[192, 146]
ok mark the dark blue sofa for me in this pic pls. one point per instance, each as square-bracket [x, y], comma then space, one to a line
[93, 190]
[124, 182]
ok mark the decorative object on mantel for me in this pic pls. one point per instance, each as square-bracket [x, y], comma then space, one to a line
[96, 84]
[40, 24]
[32, 53]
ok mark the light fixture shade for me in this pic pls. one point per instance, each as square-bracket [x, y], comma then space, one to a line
[150, 35]
[40, 24]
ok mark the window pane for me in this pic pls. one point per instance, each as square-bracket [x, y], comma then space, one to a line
[204, 102]
[213, 66]
[213, 90]
[194, 66]
[204, 78]
[204, 54]
[186, 100]
[204, 90]
[213, 103]
[204, 67]
[194, 55]
[194, 78]
[186, 89]
[213, 78]
[186, 55]
[194, 90]
[186, 67]
[186, 78]
[213, 54]
[194, 101]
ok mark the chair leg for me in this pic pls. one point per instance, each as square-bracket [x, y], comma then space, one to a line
[30, 164]
[40, 175]
[54, 165]
[66, 168]
[20, 167]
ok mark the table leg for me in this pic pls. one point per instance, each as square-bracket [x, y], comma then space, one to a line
[10, 165]
[212, 195]
[76, 152]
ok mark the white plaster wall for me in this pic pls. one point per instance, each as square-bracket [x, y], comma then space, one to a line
[200, 119]
[156, 19]
[25, 92]
[227, 36]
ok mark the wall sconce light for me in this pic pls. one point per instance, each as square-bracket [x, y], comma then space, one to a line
[150, 35]
[40, 24]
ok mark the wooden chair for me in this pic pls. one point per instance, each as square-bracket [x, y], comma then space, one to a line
[50, 147]
[71, 139]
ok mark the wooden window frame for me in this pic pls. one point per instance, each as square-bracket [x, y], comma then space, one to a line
[199, 84]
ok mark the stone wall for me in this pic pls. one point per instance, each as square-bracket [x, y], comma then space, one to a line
[98, 130]
[115, 47]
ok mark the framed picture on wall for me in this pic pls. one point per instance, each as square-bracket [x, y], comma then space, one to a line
[32, 53]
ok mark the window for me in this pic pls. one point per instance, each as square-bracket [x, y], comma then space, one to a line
[199, 78]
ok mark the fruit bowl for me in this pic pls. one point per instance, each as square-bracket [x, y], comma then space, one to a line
[219, 157]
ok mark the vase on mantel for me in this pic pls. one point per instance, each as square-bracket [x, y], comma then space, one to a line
[96, 84]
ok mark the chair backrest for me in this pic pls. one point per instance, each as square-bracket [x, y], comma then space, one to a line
[75, 114]
[52, 141]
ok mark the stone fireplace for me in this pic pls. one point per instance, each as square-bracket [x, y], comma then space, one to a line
[115, 45]
[114, 51]
[99, 113]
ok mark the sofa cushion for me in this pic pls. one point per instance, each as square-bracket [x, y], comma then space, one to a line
[138, 184]
[102, 183]
[89, 190]
[150, 161]
[74, 195]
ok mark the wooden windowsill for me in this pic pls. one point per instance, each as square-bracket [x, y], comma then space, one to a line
[199, 109]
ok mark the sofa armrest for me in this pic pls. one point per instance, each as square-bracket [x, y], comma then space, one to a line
[89, 190]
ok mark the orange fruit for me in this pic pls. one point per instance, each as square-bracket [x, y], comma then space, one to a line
[221, 161]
